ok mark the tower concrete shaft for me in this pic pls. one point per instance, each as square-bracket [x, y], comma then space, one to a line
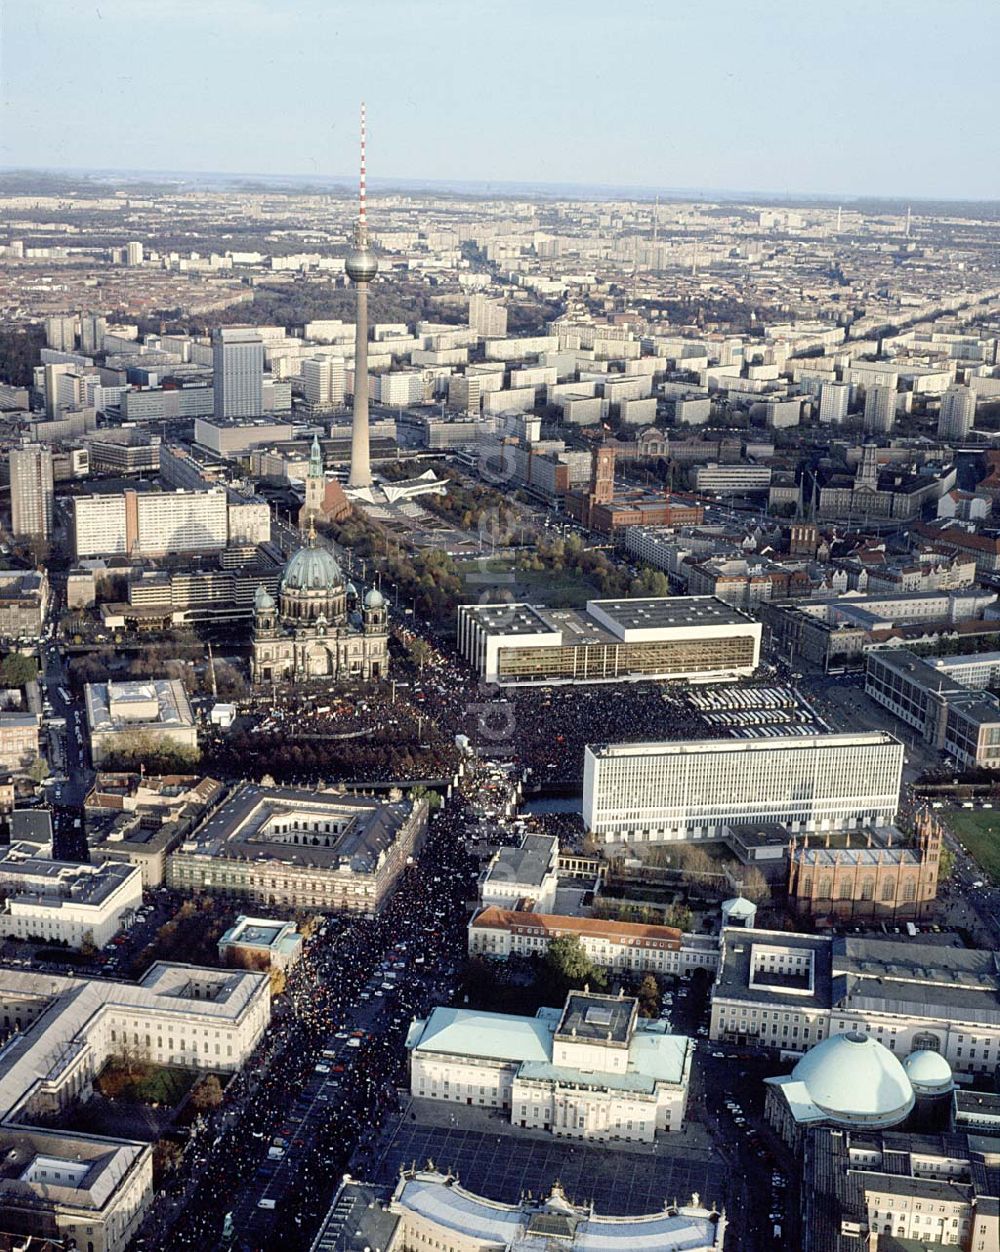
[361, 471]
[361, 266]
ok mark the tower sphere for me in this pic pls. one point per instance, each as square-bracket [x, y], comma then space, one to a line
[361, 264]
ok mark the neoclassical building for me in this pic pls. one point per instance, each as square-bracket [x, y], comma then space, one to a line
[309, 633]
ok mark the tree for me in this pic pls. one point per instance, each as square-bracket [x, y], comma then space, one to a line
[946, 864]
[38, 770]
[567, 965]
[754, 886]
[206, 1093]
[17, 670]
[420, 652]
[678, 915]
[649, 997]
[167, 1157]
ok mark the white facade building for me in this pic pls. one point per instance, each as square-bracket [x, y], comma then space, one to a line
[324, 379]
[63, 901]
[958, 413]
[698, 789]
[525, 873]
[155, 523]
[595, 1070]
[834, 400]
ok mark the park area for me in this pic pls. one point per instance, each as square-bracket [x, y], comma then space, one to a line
[979, 831]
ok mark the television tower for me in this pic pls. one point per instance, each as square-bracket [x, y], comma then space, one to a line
[361, 266]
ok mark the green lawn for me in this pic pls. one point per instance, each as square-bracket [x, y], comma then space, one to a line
[980, 832]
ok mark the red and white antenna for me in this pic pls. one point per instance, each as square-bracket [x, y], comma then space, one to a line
[362, 215]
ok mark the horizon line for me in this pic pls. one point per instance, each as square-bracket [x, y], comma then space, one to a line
[526, 187]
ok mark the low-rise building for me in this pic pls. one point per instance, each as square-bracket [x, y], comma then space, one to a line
[79, 1190]
[525, 873]
[625, 947]
[788, 991]
[893, 1189]
[64, 901]
[24, 602]
[123, 716]
[292, 848]
[594, 1070]
[260, 943]
[429, 1209]
[695, 638]
[18, 740]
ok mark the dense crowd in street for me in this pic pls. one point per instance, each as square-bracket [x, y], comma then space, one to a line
[423, 928]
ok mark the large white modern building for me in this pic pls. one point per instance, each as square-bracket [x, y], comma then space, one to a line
[64, 901]
[594, 1070]
[697, 638]
[152, 523]
[699, 789]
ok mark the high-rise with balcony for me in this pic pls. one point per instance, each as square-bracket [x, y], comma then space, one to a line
[31, 493]
[238, 372]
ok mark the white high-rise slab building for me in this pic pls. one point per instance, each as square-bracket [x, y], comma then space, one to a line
[324, 379]
[487, 317]
[238, 371]
[834, 399]
[698, 789]
[958, 413]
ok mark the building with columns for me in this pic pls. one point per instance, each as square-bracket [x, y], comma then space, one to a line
[593, 1070]
[316, 629]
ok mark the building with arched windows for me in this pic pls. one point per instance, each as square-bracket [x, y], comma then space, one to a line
[869, 876]
[316, 629]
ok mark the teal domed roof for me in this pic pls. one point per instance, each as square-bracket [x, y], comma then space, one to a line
[374, 599]
[312, 569]
[263, 600]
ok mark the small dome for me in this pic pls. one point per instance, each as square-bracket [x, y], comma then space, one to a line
[855, 1079]
[739, 906]
[928, 1072]
[352, 590]
[312, 569]
[262, 600]
[374, 599]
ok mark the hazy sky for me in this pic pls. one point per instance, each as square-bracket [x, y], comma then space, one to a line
[849, 97]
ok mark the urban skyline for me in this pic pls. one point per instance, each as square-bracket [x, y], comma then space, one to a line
[809, 126]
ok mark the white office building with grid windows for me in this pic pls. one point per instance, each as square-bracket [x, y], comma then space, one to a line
[699, 789]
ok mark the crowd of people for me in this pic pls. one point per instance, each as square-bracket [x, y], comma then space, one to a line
[421, 927]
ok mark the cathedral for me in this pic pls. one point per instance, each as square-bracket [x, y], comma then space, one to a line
[317, 629]
[309, 632]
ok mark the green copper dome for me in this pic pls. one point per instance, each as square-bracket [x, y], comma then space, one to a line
[312, 569]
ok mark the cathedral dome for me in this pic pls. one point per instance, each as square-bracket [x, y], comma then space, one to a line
[312, 569]
[263, 601]
[374, 599]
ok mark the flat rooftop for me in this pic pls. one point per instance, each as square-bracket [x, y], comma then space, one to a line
[527, 864]
[247, 824]
[808, 743]
[604, 1018]
[605, 621]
